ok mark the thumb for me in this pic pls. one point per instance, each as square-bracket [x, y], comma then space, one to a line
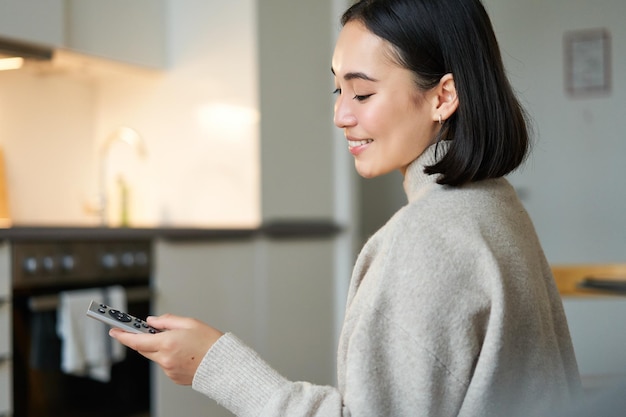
[168, 322]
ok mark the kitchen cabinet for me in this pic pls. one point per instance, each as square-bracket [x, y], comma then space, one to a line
[131, 32]
[213, 282]
[277, 295]
[36, 21]
[6, 407]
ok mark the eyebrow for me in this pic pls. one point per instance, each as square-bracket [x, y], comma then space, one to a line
[355, 75]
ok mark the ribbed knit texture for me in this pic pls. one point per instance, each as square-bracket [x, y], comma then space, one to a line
[233, 375]
[452, 311]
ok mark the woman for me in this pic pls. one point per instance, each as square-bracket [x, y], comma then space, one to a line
[452, 308]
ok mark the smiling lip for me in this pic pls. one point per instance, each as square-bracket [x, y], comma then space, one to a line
[357, 146]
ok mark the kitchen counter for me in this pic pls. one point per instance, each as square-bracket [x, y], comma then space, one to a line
[278, 229]
[586, 280]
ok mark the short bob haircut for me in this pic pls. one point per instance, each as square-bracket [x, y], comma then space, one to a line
[488, 132]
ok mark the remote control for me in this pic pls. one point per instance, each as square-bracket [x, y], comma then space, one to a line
[117, 318]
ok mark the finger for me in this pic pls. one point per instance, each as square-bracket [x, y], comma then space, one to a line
[139, 342]
[169, 322]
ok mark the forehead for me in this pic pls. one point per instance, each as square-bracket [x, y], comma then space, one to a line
[358, 50]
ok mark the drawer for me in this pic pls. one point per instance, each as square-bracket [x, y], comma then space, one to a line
[5, 329]
[6, 391]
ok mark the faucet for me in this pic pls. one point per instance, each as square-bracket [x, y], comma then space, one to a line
[125, 135]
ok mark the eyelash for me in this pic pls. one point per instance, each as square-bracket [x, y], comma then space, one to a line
[356, 97]
[362, 98]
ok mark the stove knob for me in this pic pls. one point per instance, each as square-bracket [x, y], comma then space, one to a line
[128, 260]
[141, 259]
[48, 263]
[68, 262]
[30, 265]
[109, 261]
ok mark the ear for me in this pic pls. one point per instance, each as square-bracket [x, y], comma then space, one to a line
[445, 98]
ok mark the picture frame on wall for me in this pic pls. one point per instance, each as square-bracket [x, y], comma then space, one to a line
[588, 62]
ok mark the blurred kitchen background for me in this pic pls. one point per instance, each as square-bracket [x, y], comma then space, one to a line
[217, 115]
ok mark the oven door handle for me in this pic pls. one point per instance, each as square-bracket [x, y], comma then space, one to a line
[40, 303]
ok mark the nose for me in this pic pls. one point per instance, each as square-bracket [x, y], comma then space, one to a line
[344, 117]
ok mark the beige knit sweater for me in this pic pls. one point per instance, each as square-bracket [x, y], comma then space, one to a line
[452, 311]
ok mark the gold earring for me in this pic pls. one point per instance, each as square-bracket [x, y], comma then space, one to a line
[440, 121]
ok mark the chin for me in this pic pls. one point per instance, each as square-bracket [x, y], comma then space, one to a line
[367, 172]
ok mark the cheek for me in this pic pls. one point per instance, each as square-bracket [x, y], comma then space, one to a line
[413, 132]
[396, 126]
[416, 122]
[377, 120]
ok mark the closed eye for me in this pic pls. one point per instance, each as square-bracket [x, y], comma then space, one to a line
[363, 97]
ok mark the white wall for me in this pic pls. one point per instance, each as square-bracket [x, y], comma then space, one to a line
[295, 50]
[46, 123]
[199, 120]
[574, 182]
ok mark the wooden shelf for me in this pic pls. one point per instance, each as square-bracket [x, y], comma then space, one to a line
[570, 279]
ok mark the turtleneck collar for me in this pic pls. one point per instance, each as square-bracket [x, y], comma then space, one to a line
[415, 179]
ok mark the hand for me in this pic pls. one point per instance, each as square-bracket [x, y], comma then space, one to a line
[178, 350]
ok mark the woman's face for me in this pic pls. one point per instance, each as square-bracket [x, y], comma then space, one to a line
[387, 121]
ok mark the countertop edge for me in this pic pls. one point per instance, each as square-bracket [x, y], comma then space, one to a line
[274, 230]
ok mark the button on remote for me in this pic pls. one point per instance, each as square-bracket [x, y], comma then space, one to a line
[117, 318]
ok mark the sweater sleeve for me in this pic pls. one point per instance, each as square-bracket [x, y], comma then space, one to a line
[238, 379]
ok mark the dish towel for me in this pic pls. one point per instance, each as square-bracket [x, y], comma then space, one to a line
[86, 348]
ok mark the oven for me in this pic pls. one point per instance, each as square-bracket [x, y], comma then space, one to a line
[41, 271]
